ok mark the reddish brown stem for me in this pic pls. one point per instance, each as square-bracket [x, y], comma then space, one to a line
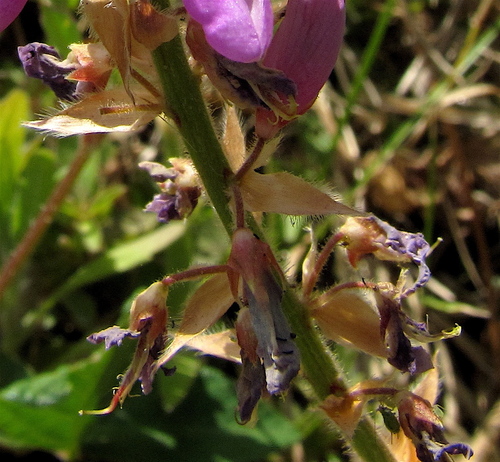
[251, 159]
[194, 273]
[320, 263]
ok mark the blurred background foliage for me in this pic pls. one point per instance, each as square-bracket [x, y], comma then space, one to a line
[409, 129]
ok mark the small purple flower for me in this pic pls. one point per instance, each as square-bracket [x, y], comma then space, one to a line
[240, 30]
[179, 190]
[370, 235]
[148, 324]
[43, 62]
[408, 246]
[9, 10]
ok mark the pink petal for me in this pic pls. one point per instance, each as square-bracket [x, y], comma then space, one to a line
[305, 49]
[9, 10]
[307, 44]
[240, 30]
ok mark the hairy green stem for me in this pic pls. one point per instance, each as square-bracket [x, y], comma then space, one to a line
[188, 110]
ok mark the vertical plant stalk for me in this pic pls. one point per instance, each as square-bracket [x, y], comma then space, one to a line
[188, 110]
[45, 217]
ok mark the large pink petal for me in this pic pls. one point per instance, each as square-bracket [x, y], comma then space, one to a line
[240, 30]
[307, 44]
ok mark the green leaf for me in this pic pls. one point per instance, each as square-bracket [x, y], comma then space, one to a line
[119, 259]
[33, 189]
[60, 26]
[41, 412]
[175, 389]
[202, 427]
[14, 109]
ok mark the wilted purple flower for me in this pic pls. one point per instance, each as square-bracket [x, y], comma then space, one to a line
[252, 379]
[422, 426]
[401, 354]
[148, 323]
[240, 30]
[9, 10]
[274, 348]
[370, 235]
[43, 62]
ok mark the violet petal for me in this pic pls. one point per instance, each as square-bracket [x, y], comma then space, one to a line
[112, 336]
[43, 62]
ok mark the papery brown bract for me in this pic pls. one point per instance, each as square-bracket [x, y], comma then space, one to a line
[347, 409]
[204, 308]
[279, 192]
[114, 23]
[103, 112]
[346, 316]
[109, 20]
[150, 27]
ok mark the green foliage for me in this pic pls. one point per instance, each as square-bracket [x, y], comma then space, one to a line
[101, 248]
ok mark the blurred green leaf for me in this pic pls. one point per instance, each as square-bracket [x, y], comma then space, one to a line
[202, 427]
[117, 260]
[14, 109]
[41, 412]
[60, 25]
[34, 188]
[175, 389]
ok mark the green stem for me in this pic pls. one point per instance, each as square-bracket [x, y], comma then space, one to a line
[187, 108]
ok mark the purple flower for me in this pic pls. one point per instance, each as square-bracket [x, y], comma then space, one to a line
[9, 10]
[400, 352]
[179, 189]
[43, 62]
[240, 30]
[422, 426]
[252, 261]
[370, 235]
[305, 48]
[112, 336]
[148, 324]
